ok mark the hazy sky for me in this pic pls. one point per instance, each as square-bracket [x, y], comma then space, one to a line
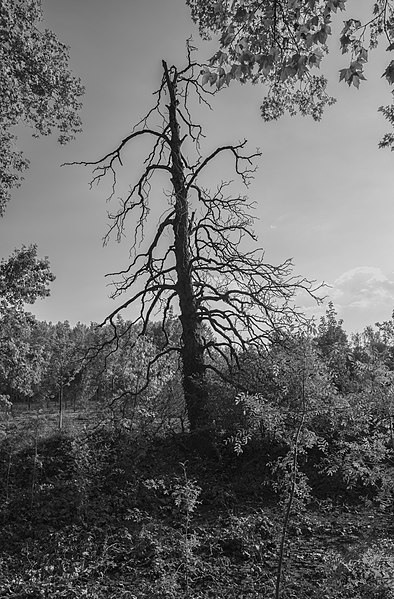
[324, 192]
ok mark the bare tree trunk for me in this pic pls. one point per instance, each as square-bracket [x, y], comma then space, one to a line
[235, 296]
[194, 385]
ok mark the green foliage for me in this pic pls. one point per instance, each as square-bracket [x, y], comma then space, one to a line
[335, 350]
[124, 504]
[280, 44]
[274, 44]
[37, 88]
[345, 446]
[368, 575]
[22, 359]
[139, 388]
[24, 278]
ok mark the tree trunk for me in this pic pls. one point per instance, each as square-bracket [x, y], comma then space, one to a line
[61, 408]
[193, 375]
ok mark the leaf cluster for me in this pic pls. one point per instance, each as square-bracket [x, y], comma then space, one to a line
[279, 44]
[37, 88]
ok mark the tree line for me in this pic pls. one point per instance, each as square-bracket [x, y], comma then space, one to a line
[340, 383]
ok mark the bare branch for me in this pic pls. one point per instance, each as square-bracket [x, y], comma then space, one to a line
[245, 174]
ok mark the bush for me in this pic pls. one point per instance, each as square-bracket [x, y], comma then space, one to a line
[366, 576]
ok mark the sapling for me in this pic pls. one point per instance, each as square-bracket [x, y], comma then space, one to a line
[186, 494]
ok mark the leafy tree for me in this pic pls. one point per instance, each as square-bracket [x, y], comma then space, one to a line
[193, 260]
[373, 351]
[334, 347]
[279, 44]
[37, 88]
[23, 278]
[374, 343]
[124, 372]
[22, 360]
[64, 378]
[292, 373]
[386, 334]
[63, 362]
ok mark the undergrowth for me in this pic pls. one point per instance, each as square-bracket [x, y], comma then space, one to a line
[103, 515]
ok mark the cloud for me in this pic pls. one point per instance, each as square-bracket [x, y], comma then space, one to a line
[364, 287]
[361, 296]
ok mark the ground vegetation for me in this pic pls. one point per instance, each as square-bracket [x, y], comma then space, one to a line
[122, 502]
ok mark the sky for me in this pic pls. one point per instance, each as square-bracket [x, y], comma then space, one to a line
[324, 192]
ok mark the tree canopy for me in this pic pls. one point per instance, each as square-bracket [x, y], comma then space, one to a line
[24, 278]
[280, 44]
[37, 88]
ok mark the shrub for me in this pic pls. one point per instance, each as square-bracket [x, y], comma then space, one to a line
[366, 576]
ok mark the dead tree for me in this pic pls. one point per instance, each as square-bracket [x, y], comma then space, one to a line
[189, 257]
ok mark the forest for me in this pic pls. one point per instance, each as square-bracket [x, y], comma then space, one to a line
[208, 438]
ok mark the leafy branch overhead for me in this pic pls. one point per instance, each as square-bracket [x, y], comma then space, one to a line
[280, 43]
[193, 249]
[37, 88]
